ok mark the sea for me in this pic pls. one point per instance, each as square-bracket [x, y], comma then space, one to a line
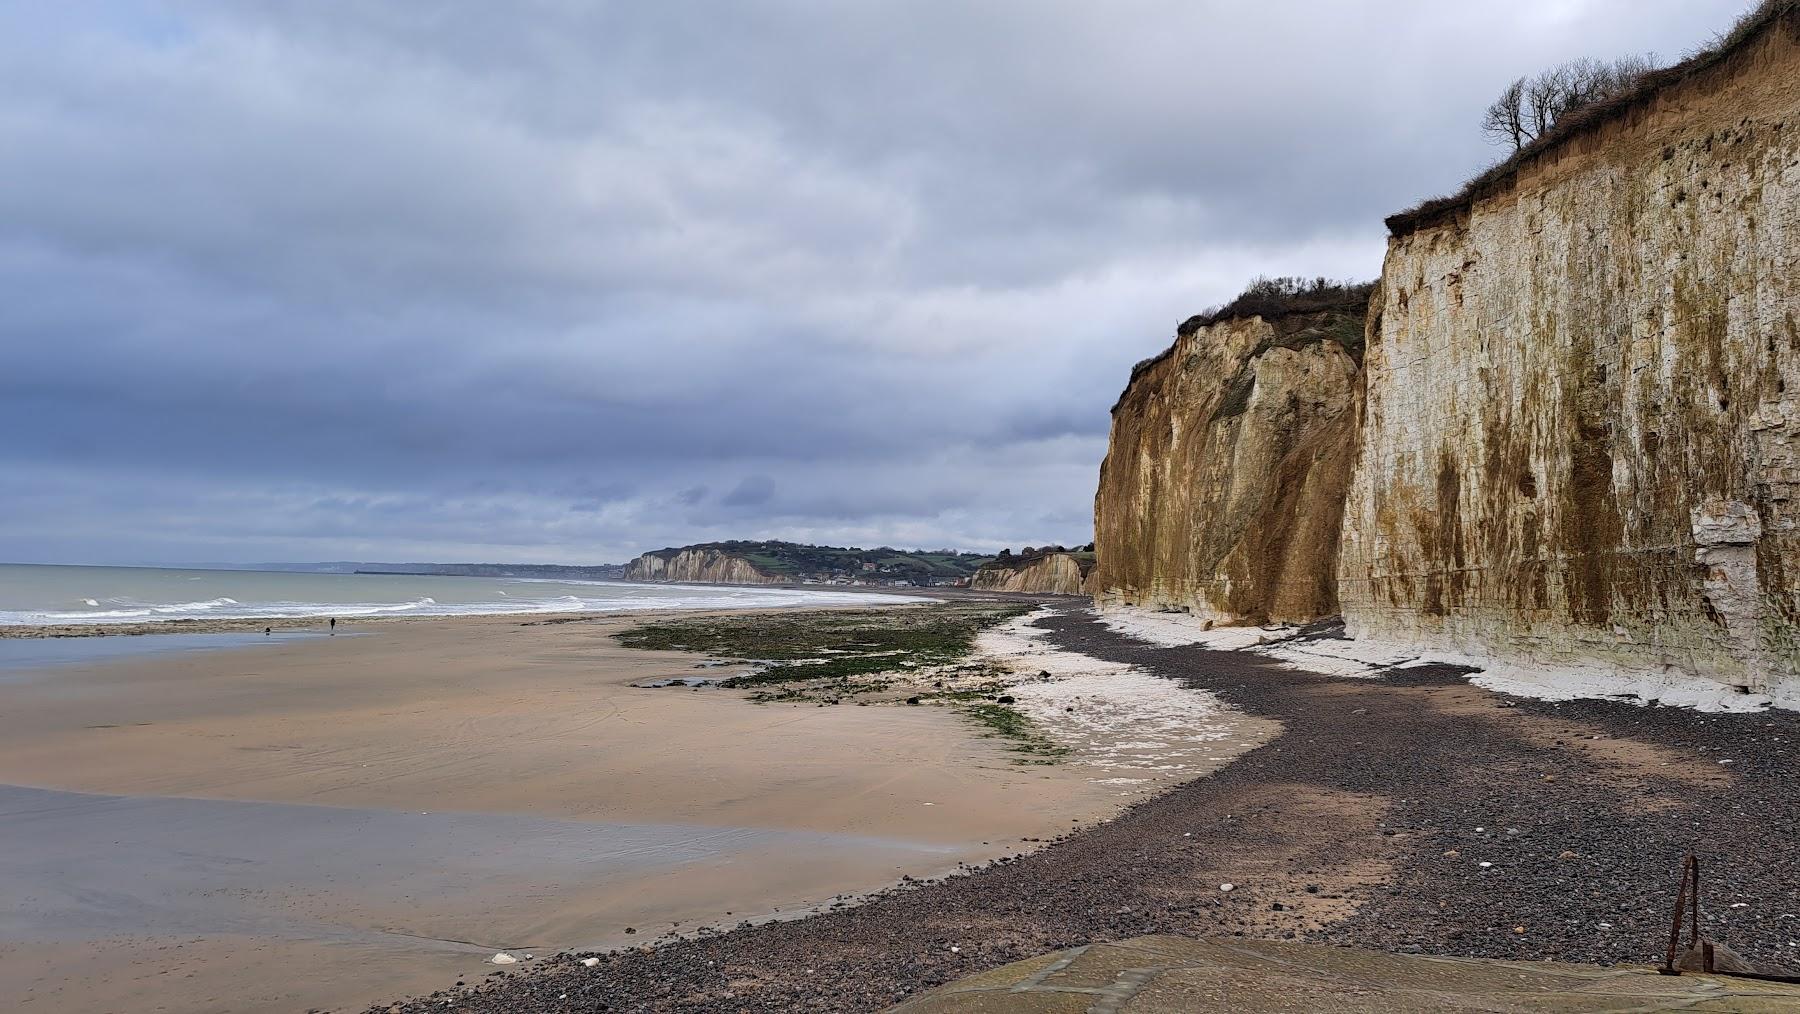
[32, 595]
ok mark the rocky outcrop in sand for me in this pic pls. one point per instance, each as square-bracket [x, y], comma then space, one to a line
[702, 565]
[1052, 573]
[1223, 484]
[1582, 436]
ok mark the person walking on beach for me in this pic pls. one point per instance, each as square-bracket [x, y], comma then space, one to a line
[334, 626]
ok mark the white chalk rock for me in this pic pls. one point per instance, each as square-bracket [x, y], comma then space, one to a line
[504, 958]
[590, 962]
[1226, 887]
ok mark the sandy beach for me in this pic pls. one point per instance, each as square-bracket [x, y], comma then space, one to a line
[1411, 813]
[325, 822]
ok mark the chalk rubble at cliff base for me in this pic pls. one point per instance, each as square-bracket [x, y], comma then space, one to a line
[1135, 727]
[1181, 630]
[1364, 658]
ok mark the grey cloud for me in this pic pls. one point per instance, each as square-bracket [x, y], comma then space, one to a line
[533, 280]
[754, 491]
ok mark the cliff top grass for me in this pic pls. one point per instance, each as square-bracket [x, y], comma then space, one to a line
[1589, 118]
[1273, 299]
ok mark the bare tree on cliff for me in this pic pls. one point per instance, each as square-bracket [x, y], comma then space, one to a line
[1529, 107]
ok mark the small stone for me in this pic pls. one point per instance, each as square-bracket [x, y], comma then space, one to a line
[1487, 866]
[1451, 853]
[1518, 929]
[504, 958]
[1227, 887]
[1567, 854]
[629, 931]
[591, 962]
[912, 700]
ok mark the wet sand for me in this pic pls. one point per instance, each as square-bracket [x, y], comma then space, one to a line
[326, 822]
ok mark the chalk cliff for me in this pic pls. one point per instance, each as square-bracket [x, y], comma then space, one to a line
[1052, 573]
[700, 564]
[1582, 432]
[1222, 489]
[1569, 437]
[741, 561]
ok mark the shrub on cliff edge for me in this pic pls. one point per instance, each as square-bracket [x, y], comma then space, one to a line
[1278, 297]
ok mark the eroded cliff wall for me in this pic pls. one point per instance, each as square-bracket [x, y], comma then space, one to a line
[707, 566]
[1582, 438]
[1050, 574]
[1223, 484]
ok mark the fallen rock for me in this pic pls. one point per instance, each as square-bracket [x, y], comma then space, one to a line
[504, 958]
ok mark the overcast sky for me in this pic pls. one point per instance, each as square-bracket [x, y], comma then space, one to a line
[558, 281]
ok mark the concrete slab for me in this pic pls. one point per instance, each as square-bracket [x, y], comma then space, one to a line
[1175, 975]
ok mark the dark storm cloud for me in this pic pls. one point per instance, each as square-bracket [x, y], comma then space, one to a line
[558, 280]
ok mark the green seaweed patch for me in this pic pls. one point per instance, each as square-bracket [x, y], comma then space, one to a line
[1022, 735]
[829, 652]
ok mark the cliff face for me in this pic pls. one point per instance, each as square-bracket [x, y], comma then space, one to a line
[1582, 436]
[1049, 574]
[706, 566]
[1222, 489]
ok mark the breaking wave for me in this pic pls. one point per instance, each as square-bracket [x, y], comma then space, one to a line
[257, 595]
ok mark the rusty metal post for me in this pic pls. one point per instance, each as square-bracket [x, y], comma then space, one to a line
[1694, 900]
[1689, 867]
[1687, 901]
